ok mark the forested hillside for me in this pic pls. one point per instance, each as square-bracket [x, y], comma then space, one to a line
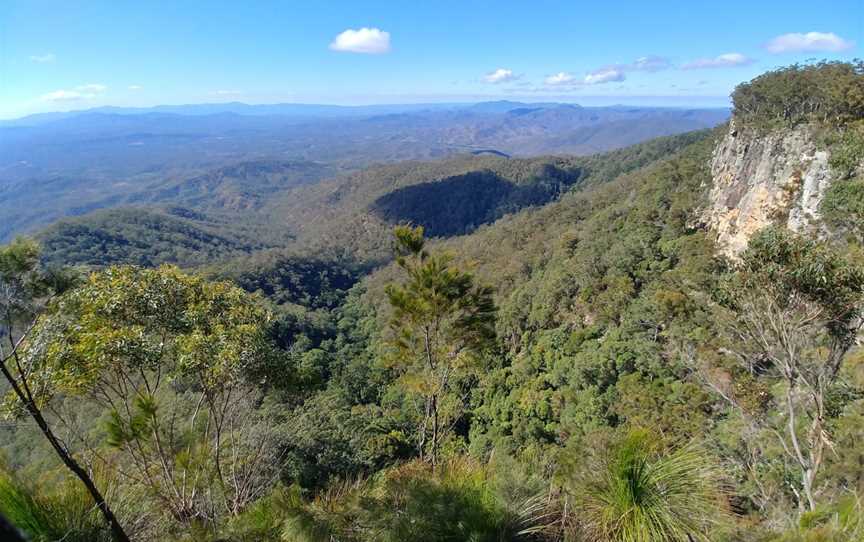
[234, 156]
[236, 210]
[150, 237]
[478, 348]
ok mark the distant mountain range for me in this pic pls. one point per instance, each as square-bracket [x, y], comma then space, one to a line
[65, 164]
[282, 109]
[295, 110]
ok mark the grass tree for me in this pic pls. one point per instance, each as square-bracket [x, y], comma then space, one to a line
[630, 491]
[441, 321]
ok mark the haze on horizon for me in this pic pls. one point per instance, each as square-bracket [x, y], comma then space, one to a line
[63, 57]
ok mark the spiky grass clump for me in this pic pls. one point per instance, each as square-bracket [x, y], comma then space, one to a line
[632, 493]
[65, 513]
[413, 503]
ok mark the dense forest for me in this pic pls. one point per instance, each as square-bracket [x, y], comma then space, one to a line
[471, 349]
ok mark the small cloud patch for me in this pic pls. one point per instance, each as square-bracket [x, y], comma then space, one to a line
[81, 92]
[372, 41]
[604, 75]
[501, 75]
[43, 59]
[560, 78]
[725, 60]
[810, 42]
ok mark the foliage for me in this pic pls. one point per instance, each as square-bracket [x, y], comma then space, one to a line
[847, 151]
[841, 522]
[148, 237]
[601, 285]
[24, 288]
[843, 207]
[457, 501]
[160, 350]
[62, 511]
[825, 92]
[355, 214]
[630, 493]
[795, 312]
[441, 321]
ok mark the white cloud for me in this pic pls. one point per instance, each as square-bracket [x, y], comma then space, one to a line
[43, 59]
[725, 60]
[560, 78]
[81, 92]
[228, 92]
[604, 75]
[62, 96]
[650, 63]
[365, 40]
[92, 88]
[501, 75]
[134, 87]
[614, 73]
[810, 42]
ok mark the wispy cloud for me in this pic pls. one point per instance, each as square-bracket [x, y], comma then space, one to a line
[364, 40]
[43, 59]
[649, 63]
[725, 60]
[92, 88]
[604, 75]
[611, 73]
[560, 78]
[81, 92]
[134, 87]
[62, 96]
[228, 92]
[501, 75]
[809, 42]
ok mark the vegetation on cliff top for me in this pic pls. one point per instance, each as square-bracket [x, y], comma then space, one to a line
[824, 92]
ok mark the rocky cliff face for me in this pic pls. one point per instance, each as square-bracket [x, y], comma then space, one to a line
[759, 180]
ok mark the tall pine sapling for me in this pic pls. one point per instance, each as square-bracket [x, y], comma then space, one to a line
[441, 321]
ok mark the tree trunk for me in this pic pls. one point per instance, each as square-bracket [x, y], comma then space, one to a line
[117, 532]
[807, 472]
[9, 532]
[434, 432]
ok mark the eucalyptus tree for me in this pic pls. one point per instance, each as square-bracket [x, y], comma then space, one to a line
[24, 288]
[174, 360]
[792, 313]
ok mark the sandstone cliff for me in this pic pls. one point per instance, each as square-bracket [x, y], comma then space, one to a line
[763, 179]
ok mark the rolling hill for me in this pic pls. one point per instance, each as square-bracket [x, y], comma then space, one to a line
[68, 164]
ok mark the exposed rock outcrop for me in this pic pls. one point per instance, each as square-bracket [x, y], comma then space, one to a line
[764, 179]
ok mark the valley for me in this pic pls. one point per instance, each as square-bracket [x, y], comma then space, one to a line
[480, 322]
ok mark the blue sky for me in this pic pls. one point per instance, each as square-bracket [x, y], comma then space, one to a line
[65, 55]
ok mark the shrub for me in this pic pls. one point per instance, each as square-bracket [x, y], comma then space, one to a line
[630, 492]
[413, 502]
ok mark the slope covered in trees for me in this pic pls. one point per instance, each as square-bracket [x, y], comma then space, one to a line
[579, 367]
[149, 237]
[349, 214]
[452, 197]
[232, 155]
